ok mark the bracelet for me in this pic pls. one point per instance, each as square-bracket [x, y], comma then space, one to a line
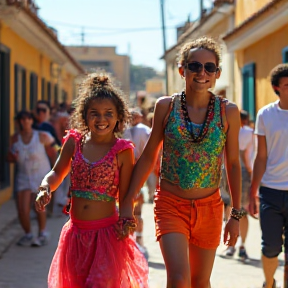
[236, 214]
[127, 225]
[42, 190]
[234, 217]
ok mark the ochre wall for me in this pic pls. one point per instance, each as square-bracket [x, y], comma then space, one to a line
[266, 54]
[246, 8]
[32, 60]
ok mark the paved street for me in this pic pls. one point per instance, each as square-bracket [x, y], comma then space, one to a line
[26, 267]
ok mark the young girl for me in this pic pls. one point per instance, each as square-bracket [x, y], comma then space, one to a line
[90, 253]
[196, 127]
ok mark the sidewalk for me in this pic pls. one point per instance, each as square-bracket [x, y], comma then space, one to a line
[227, 273]
[10, 228]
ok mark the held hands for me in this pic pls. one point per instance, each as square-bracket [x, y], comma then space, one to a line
[126, 224]
[124, 227]
[43, 197]
[231, 232]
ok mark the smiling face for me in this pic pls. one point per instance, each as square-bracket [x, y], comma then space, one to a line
[202, 80]
[101, 117]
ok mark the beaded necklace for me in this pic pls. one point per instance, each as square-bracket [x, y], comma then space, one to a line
[208, 118]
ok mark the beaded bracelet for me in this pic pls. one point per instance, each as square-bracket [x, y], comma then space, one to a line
[236, 214]
[127, 225]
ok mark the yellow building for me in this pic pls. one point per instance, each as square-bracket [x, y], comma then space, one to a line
[214, 23]
[105, 58]
[33, 65]
[259, 42]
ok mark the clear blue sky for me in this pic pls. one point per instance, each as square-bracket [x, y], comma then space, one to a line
[133, 26]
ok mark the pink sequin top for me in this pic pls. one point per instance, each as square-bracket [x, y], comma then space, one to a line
[98, 180]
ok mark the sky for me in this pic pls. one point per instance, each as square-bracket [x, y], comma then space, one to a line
[134, 27]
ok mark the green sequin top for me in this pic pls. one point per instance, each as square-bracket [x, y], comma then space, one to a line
[189, 164]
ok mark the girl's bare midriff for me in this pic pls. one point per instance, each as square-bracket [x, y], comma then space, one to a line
[194, 193]
[84, 209]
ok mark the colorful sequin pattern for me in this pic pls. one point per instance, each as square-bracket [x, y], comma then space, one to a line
[189, 164]
[98, 180]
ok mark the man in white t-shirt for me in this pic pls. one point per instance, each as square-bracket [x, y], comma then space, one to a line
[270, 172]
[139, 134]
[246, 147]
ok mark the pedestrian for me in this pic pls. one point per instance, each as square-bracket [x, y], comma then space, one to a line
[43, 123]
[270, 172]
[138, 133]
[90, 252]
[195, 127]
[246, 146]
[31, 151]
[43, 111]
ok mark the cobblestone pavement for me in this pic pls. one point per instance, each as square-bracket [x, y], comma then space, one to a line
[26, 267]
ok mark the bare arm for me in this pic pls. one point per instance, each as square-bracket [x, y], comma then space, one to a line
[12, 155]
[126, 163]
[258, 172]
[148, 158]
[232, 154]
[259, 165]
[62, 166]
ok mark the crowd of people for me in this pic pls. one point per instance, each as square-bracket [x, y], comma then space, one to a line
[199, 159]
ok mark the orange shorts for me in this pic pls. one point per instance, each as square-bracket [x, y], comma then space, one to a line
[200, 219]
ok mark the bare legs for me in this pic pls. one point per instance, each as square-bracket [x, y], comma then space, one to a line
[139, 220]
[243, 224]
[186, 264]
[269, 267]
[24, 199]
[24, 206]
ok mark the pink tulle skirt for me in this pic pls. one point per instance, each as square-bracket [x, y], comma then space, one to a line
[89, 256]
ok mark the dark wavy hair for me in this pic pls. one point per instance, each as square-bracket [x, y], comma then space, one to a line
[204, 42]
[98, 86]
[278, 72]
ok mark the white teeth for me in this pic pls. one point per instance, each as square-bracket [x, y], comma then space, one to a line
[101, 127]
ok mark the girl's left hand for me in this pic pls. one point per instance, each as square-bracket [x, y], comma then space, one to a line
[231, 232]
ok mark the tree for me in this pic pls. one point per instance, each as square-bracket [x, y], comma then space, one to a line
[138, 76]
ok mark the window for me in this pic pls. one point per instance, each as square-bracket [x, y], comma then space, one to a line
[20, 88]
[33, 90]
[49, 96]
[248, 96]
[55, 95]
[285, 55]
[43, 88]
[4, 115]
[64, 96]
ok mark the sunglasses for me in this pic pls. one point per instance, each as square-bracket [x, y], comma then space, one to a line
[196, 67]
[44, 110]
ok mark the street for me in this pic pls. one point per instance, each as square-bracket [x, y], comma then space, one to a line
[27, 267]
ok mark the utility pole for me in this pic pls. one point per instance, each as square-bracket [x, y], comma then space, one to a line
[164, 41]
[201, 9]
[82, 36]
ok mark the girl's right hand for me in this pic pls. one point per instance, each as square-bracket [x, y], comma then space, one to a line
[43, 197]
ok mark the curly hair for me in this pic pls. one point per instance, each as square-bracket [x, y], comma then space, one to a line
[200, 43]
[278, 72]
[98, 86]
